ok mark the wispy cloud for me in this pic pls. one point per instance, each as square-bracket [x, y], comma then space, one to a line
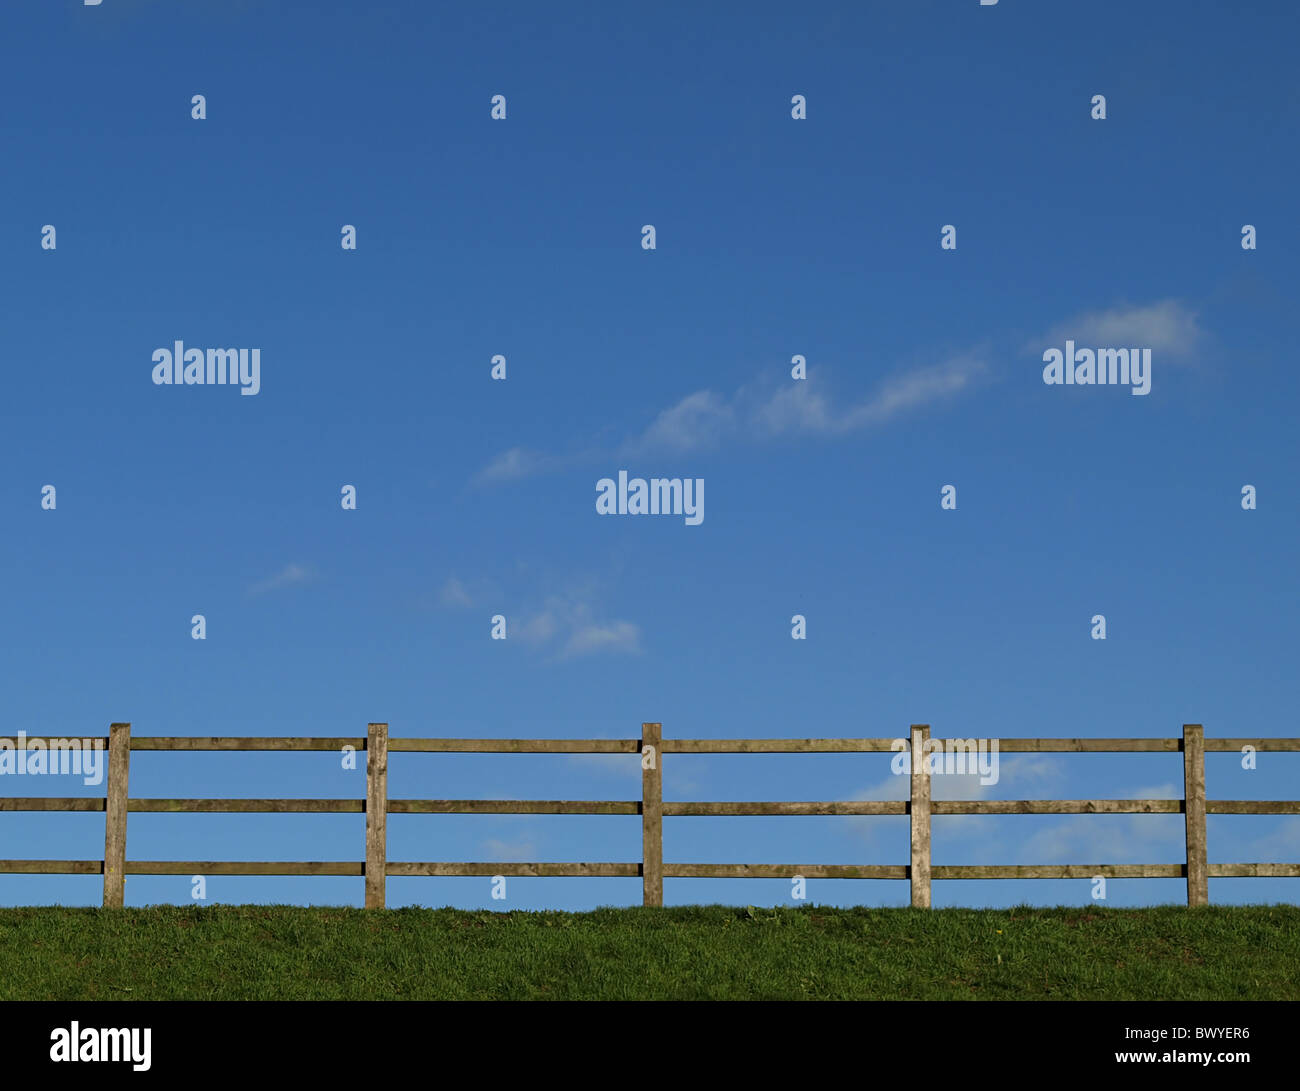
[1106, 839]
[617, 636]
[571, 625]
[1027, 775]
[617, 765]
[1109, 839]
[1074, 839]
[1280, 844]
[1030, 772]
[568, 623]
[288, 576]
[518, 463]
[511, 465]
[761, 412]
[1168, 327]
[627, 767]
[538, 628]
[698, 420]
[521, 850]
[454, 593]
[806, 407]
[1168, 790]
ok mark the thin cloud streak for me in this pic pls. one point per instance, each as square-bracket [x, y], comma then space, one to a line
[289, 576]
[705, 419]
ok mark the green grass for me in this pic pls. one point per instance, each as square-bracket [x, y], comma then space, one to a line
[694, 952]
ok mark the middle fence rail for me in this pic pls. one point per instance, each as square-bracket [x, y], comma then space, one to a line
[651, 746]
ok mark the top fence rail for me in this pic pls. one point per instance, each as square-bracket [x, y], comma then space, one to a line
[1007, 745]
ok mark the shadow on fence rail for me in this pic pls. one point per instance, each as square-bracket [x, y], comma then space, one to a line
[651, 746]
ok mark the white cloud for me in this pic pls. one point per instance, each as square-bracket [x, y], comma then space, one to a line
[1281, 844]
[627, 767]
[521, 850]
[618, 765]
[454, 593]
[571, 623]
[799, 407]
[912, 390]
[1023, 771]
[1168, 790]
[1107, 839]
[289, 575]
[1168, 328]
[706, 418]
[1111, 839]
[518, 463]
[617, 636]
[512, 465]
[803, 408]
[695, 421]
[538, 628]
[1013, 769]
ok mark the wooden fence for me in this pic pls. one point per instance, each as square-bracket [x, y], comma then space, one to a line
[652, 808]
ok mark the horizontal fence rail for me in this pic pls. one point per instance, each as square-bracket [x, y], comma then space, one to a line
[920, 808]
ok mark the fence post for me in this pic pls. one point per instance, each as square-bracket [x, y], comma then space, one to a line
[1198, 871]
[652, 815]
[376, 813]
[920, 811]
[119, 768]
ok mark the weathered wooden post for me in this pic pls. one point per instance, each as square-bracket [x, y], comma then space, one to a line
[920, 812]
[652, 815]
[1198, 869]
[376, 813]
[115, 808]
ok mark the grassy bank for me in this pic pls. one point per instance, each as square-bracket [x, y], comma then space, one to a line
[696, 952]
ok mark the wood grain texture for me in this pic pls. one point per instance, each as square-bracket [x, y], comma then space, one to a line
[249, 742]
[515, 746]
[119, 769]
[529, 868]
[1198, 877]
[652, 815]
[919, 870]
[376, 814]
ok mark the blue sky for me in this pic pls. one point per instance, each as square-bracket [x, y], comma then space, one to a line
[775, 237]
